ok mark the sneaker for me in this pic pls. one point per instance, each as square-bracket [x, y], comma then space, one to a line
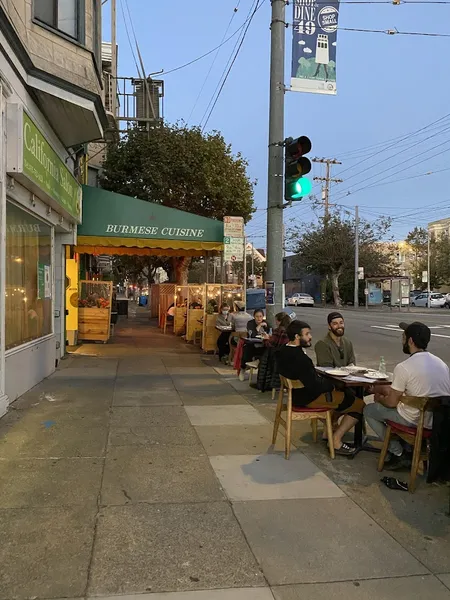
[242, 375]
[399, 463]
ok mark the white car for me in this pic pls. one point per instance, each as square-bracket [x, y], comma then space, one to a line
[436, 300]
[300, 300]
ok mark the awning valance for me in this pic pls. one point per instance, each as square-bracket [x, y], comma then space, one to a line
[121, 223]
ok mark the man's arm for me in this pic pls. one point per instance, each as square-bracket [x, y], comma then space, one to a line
[397, 389]
[323, 354]
[351, 356]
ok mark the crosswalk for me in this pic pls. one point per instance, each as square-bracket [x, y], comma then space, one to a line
[432, 327]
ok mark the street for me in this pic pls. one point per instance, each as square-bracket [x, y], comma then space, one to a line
[376, 334]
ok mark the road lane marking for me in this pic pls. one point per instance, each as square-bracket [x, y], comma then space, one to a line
[396, 328]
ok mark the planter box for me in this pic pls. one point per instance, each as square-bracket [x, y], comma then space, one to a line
[94, 324]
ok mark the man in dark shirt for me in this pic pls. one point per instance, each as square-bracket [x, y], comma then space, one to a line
[335, 350]
[318, 391]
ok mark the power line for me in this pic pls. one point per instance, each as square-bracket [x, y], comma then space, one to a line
[257, 5]
[394, 31]
[214, 60]
[191, 62]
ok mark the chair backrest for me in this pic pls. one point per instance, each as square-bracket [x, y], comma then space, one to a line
[291, 384]
[420, 403]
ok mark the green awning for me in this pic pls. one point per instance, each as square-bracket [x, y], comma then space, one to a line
[111, 220]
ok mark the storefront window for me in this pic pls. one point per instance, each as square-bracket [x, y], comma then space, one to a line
[28, 292]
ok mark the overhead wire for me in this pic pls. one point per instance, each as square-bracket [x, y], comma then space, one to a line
[235, 10]
[258, 4]
[195, 60]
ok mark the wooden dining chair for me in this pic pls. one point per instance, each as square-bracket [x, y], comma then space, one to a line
[296, 413]
[167, 324]
[415, 436]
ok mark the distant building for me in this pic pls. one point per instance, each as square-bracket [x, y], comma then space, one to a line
[440, 227]
[297, 280]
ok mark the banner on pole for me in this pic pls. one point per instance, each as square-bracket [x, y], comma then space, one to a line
[314, 39]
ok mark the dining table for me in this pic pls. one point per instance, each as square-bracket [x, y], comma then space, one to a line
[361, 381]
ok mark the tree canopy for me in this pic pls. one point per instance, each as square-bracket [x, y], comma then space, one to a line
[417, 244]
[327, 247]
[183, 168]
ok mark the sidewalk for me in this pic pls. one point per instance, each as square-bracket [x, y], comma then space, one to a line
[145, 472]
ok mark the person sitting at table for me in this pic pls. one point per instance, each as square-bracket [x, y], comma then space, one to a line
[268, 377]
[423, 375]
[240, 317]
[255, 327]
[335, 350]
[170, 314]
[318, 392]
[196, 303]
[223, 324]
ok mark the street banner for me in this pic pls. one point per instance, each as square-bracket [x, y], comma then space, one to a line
[314, 39]
[233, 249]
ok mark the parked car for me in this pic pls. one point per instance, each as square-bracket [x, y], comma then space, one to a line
[447, 301]
[436, 300]
[300, 300]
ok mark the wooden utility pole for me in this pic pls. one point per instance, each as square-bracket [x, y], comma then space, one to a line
[326, 181]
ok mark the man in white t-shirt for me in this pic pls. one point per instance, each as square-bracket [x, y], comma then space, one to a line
[422, 374]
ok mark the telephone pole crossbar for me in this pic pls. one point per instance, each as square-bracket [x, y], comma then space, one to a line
[327, 180]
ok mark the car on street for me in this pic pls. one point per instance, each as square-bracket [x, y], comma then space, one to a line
[436, 300]
[300, 300]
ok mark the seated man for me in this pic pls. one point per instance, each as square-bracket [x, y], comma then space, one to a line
[335, 350]
[318, 392]
[423, 375]
[170, 314]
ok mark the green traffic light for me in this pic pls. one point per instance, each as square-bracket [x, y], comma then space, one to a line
[302, 187]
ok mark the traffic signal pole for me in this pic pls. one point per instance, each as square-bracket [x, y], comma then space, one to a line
[276, 157]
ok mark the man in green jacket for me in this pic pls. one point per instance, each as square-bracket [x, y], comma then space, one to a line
[335, 350]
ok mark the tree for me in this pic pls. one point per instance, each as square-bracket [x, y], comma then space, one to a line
[180, 167]
[138, 269]
[417, 241]
[327, 248]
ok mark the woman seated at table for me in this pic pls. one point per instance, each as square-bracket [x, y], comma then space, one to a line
[268, 377]
[223, 324]
[318, 392]
[256, 328]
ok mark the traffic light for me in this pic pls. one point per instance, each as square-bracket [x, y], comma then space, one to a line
[296, 165]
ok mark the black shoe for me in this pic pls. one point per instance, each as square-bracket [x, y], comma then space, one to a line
[399, 463]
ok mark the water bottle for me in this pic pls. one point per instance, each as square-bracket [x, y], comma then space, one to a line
[382, 366]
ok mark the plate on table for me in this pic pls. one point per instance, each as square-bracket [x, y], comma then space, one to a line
[375, 375]
[337, 373]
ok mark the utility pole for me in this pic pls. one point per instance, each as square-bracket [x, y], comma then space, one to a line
[356, 291]
[327, 180]
[253, 260]
[114, 58]
[428, 270]
[276, 156]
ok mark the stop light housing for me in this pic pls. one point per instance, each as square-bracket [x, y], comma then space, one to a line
[296, 165]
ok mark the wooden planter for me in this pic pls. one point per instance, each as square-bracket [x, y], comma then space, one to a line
[210, 333]
[94, 324]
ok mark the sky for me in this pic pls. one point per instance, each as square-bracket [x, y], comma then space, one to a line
[393, 94]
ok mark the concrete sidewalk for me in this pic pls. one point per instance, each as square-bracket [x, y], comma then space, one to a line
[145, 471]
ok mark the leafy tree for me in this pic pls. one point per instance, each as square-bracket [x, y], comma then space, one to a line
[139, 269]
[327, 248]
[180, 167]
[417, 241]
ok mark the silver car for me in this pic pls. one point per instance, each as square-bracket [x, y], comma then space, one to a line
[300, 300]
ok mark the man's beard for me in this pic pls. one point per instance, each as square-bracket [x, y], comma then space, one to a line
[305, 344]
[339, 332]
[406, 349]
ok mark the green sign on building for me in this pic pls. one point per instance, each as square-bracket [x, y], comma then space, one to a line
[43, 166]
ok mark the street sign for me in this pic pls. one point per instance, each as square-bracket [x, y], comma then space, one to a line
[360, 272]
[424, 276]
[233, 249]
[233, 227]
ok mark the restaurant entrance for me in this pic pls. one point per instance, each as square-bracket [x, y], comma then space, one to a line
[118, 225]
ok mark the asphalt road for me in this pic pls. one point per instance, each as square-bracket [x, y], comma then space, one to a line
[376, 334]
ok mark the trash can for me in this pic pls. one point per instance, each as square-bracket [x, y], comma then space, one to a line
[122, 307]
[142, 300]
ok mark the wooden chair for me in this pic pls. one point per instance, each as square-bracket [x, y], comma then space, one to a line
[252, 366]
[167, 323]
[299, 414]
[411, 435]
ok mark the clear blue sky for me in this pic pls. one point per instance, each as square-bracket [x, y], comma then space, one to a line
[388, 86]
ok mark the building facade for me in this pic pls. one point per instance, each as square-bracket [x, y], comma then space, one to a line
[51, 107]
